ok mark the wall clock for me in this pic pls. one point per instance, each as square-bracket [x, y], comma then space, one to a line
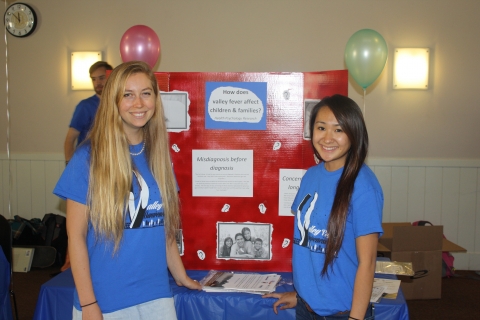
[20, 19]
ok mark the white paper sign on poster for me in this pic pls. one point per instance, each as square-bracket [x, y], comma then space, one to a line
[222, 173]
[176, 105]
[236, 105]
[289, 182]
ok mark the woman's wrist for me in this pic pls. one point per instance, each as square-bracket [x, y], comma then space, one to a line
[89, 304]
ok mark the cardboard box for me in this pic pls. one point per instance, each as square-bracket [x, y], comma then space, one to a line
[22, 259]
[423, 247]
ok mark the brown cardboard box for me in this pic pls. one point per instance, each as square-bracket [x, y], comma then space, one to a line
[423, 247]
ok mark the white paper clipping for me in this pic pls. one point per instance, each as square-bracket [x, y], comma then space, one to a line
[262, 208]
[289, 183]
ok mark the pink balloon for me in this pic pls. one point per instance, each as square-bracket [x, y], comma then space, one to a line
[140, 43]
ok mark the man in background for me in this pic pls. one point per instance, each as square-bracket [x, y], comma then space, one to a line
[84, 113]
[83, 117]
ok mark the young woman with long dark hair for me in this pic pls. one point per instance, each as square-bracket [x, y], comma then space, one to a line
[338, 219]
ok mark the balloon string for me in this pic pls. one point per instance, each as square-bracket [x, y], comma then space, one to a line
[364, 91]
[10, 180]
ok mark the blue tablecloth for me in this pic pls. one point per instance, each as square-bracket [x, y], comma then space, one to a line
[55, 302]
[5, 305]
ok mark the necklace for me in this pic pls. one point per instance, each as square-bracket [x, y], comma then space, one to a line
[140, 152]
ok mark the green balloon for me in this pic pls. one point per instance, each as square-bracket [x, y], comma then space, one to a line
[365, 55]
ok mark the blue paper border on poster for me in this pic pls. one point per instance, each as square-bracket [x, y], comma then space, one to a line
[258, 88]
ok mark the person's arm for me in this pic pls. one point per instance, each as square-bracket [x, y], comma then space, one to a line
[286, 300]
[234, 251]
[362, 290]
[175, 265]
[77, 226]
[69, 145]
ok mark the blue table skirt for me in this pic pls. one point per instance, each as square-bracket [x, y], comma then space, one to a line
[55, 302]
[5, 305]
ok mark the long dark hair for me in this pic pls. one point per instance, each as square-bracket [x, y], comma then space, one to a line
[350, 119]
[226, 249]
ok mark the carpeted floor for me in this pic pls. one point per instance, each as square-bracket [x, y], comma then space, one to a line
[27, 287]
[459, 299]
[459, 296]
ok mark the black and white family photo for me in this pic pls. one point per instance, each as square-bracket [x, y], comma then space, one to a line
[308, 105]
[244, 240]
[179, 241]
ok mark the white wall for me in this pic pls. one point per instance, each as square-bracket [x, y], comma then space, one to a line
[267, 35]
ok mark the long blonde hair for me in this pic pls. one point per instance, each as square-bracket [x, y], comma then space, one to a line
[111, 167]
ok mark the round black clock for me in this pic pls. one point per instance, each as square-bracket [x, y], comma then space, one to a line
[20, 19]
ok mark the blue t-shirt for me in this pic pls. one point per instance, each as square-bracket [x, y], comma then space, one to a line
[84, 115]
[331, 294]
[138, 272]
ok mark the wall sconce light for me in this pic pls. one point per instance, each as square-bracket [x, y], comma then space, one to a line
[81, 62]
[410, 70]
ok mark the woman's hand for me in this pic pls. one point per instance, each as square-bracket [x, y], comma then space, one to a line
[367, 254]
[189, 283]
[286, 300]
[175, 265]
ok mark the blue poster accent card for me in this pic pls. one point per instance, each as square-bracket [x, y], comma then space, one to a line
[236, 105]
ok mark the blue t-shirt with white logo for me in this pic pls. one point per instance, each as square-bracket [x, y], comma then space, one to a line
[328, 295]
[138, 272]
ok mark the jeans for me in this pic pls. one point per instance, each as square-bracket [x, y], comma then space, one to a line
[302, 313]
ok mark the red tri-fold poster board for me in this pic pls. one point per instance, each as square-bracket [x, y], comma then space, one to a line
[285, 96]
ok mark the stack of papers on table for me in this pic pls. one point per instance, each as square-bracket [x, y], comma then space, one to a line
[384, 288]
[223, 281]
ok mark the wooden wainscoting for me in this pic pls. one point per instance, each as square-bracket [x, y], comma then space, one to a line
[27, 184]
[444, 192]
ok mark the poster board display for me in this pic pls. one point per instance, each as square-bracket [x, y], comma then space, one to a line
[232, 135]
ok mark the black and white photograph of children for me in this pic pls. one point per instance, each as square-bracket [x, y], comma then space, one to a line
[308, 105]
[244, 241]
[179, 240]
[176, 104]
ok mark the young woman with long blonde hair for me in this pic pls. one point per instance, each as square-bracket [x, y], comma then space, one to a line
[122, 205]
